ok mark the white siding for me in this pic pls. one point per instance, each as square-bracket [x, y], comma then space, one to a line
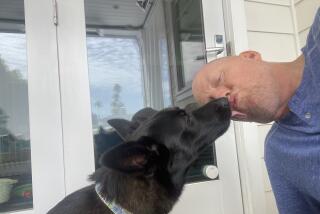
[305, 11]
[272, 32]
[273, 47]
[271, 29]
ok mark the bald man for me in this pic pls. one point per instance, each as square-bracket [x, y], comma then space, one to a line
[287, 93]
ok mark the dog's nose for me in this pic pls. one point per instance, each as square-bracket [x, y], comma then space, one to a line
[223, 102]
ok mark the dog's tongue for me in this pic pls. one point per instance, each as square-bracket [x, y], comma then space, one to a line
[238, 115]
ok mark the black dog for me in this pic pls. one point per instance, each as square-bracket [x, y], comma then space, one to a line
[146, 174]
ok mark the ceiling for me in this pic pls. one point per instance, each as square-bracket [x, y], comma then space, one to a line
[107, 13]
[114, 13]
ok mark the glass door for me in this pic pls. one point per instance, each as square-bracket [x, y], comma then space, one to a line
[127, 64]
[116, 88]
[198, 38]
[15, 149]
[30, 130]
[188, 39]
[116, 57]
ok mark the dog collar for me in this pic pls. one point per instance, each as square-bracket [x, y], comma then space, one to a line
[115, 208]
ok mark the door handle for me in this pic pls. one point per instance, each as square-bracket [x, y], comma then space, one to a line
[214, 50]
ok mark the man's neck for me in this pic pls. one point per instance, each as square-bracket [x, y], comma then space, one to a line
[290, 76]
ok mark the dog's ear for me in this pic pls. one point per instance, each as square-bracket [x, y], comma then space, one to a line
[143, 115]
[122, 127]
[142, 157]
[125, 128]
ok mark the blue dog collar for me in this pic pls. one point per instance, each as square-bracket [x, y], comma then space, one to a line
[115, 208]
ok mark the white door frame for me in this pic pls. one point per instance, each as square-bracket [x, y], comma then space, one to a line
[75, 94]
[44, 106]
[229, 184]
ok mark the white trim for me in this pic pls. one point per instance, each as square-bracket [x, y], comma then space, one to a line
[75, 94]
[297, 2]
[295, 27]
[171, 50]
[115, 33]
[44, 106]
[227, 161]
[238, 26]
[271, 2]
[30, 211]
[184, 93]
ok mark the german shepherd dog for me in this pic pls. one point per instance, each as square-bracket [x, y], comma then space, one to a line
[146, 173]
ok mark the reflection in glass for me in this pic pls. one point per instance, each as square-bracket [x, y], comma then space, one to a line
[189, 39]
[115, 73]
[165, 73]
[15, 155]
[115, 78]
[128, 63]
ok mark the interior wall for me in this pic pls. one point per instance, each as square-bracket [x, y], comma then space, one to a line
[276, 39]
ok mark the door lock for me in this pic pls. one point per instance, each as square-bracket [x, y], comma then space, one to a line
[218, 47]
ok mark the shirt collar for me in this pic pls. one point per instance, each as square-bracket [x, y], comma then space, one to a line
[112, 205]
[297, 103]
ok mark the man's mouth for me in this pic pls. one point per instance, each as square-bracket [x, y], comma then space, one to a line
[237, 115]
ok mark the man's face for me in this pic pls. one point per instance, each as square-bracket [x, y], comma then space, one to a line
[249, 85]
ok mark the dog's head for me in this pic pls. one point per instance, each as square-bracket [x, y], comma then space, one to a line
[162, 145]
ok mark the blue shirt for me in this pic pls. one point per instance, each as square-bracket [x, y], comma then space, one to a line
[292, 148]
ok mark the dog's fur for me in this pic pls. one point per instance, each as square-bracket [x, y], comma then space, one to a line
[146, 173]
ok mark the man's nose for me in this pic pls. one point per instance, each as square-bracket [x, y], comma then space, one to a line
[219, 92]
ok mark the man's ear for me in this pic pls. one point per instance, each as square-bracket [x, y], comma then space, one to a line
[251, 55]
[142, 157]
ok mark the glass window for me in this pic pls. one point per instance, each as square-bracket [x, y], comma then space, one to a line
[189, 39]
[165, 74]
[15, 155]
[115, 73]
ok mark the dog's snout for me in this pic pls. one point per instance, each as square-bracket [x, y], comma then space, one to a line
[223, 102]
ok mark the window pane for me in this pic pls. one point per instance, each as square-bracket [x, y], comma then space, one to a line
[15, 160]
[115, 74]
[165, 73]
[189, 39]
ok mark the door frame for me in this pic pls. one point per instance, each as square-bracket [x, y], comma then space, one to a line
[75, 95]
[231, 169]
[46, 137]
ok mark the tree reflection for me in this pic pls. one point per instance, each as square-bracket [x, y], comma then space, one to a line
[14, 112]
